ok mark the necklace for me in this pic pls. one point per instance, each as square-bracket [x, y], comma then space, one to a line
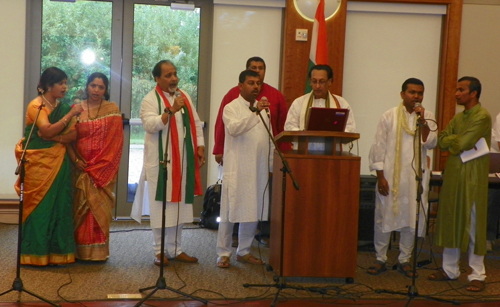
[45, 99]
[97, 114]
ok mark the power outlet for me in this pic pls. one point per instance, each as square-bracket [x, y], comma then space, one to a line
[301, 35]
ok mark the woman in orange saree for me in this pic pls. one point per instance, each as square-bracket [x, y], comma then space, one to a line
[96, 155]
[47, 202]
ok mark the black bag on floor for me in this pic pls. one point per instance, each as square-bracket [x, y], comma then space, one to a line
[211, 207]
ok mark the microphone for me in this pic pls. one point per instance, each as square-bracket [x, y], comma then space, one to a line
[178, 94]
[264, 98]
[417, 105]
[78, 115]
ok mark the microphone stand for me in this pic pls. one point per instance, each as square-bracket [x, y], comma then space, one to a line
[17, 285]
[161, 283]
[412, 289]
[286, 167]
[280, 282]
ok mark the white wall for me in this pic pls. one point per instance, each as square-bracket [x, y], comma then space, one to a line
[385, 45]
[241, 32]
[12, 36]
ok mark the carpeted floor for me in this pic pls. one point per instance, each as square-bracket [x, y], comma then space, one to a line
[130, 267]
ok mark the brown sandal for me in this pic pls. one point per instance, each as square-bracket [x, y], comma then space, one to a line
[476, 286]
[249, 258]
[223, 262]
[439, 276]
[377, 268]
[406, 270]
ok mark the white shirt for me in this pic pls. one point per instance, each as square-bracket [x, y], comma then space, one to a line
[248, 159]
[295, 119]
[495, 134]
[382, 156]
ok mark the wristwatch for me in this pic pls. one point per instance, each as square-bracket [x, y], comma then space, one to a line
[167, 110]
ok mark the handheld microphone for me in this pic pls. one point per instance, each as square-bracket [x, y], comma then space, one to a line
[264, 98]
[178, 94]
[78, 115]
[417, 105]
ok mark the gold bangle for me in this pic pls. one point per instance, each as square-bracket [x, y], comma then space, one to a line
[76, 160]
[62, 120]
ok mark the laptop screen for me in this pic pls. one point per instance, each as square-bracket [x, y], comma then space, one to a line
[327, 119]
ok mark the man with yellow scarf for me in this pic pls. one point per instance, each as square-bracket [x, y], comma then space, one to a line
[394, 157]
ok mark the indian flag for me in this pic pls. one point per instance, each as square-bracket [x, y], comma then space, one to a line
[319, 47]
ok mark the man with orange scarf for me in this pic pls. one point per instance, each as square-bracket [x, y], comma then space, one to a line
[167, 113]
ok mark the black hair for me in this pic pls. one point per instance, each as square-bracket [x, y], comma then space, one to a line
[411, 81]
[474, 85]
[98, 75]
[247, 73]
[49, 77]
[255, 59]
[157, 69]
[324, 67]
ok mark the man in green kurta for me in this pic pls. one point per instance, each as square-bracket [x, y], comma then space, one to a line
[463, 200]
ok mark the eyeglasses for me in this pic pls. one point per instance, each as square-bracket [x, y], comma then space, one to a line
[320, 82]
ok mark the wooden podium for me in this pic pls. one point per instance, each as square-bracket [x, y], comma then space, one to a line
[314, 230]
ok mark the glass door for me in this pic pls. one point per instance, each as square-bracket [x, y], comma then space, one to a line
[123, 39]
[158, 32]
[76, 37]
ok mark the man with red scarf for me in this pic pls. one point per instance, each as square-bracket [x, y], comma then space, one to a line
[167, 113]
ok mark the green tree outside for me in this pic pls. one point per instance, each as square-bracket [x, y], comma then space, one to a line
[159, 33]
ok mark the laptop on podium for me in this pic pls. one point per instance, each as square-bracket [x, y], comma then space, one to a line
[327, 119]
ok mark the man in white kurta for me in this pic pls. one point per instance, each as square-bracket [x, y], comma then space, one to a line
[392, 156]
[248, 160]
[158, 106]
[320, 78]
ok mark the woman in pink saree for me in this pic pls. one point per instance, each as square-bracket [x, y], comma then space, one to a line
[96, 155]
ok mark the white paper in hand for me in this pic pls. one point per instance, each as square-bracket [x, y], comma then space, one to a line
[480, 149]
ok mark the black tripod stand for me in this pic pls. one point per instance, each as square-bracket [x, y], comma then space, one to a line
[412, 289]
[17, 285]
[432, 198]
[161, 283]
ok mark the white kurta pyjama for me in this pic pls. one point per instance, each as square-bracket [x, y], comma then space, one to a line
[382, 156]
[152, 123]
[248, 159]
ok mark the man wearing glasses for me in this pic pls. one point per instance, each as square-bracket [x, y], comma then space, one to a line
[320, 78]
